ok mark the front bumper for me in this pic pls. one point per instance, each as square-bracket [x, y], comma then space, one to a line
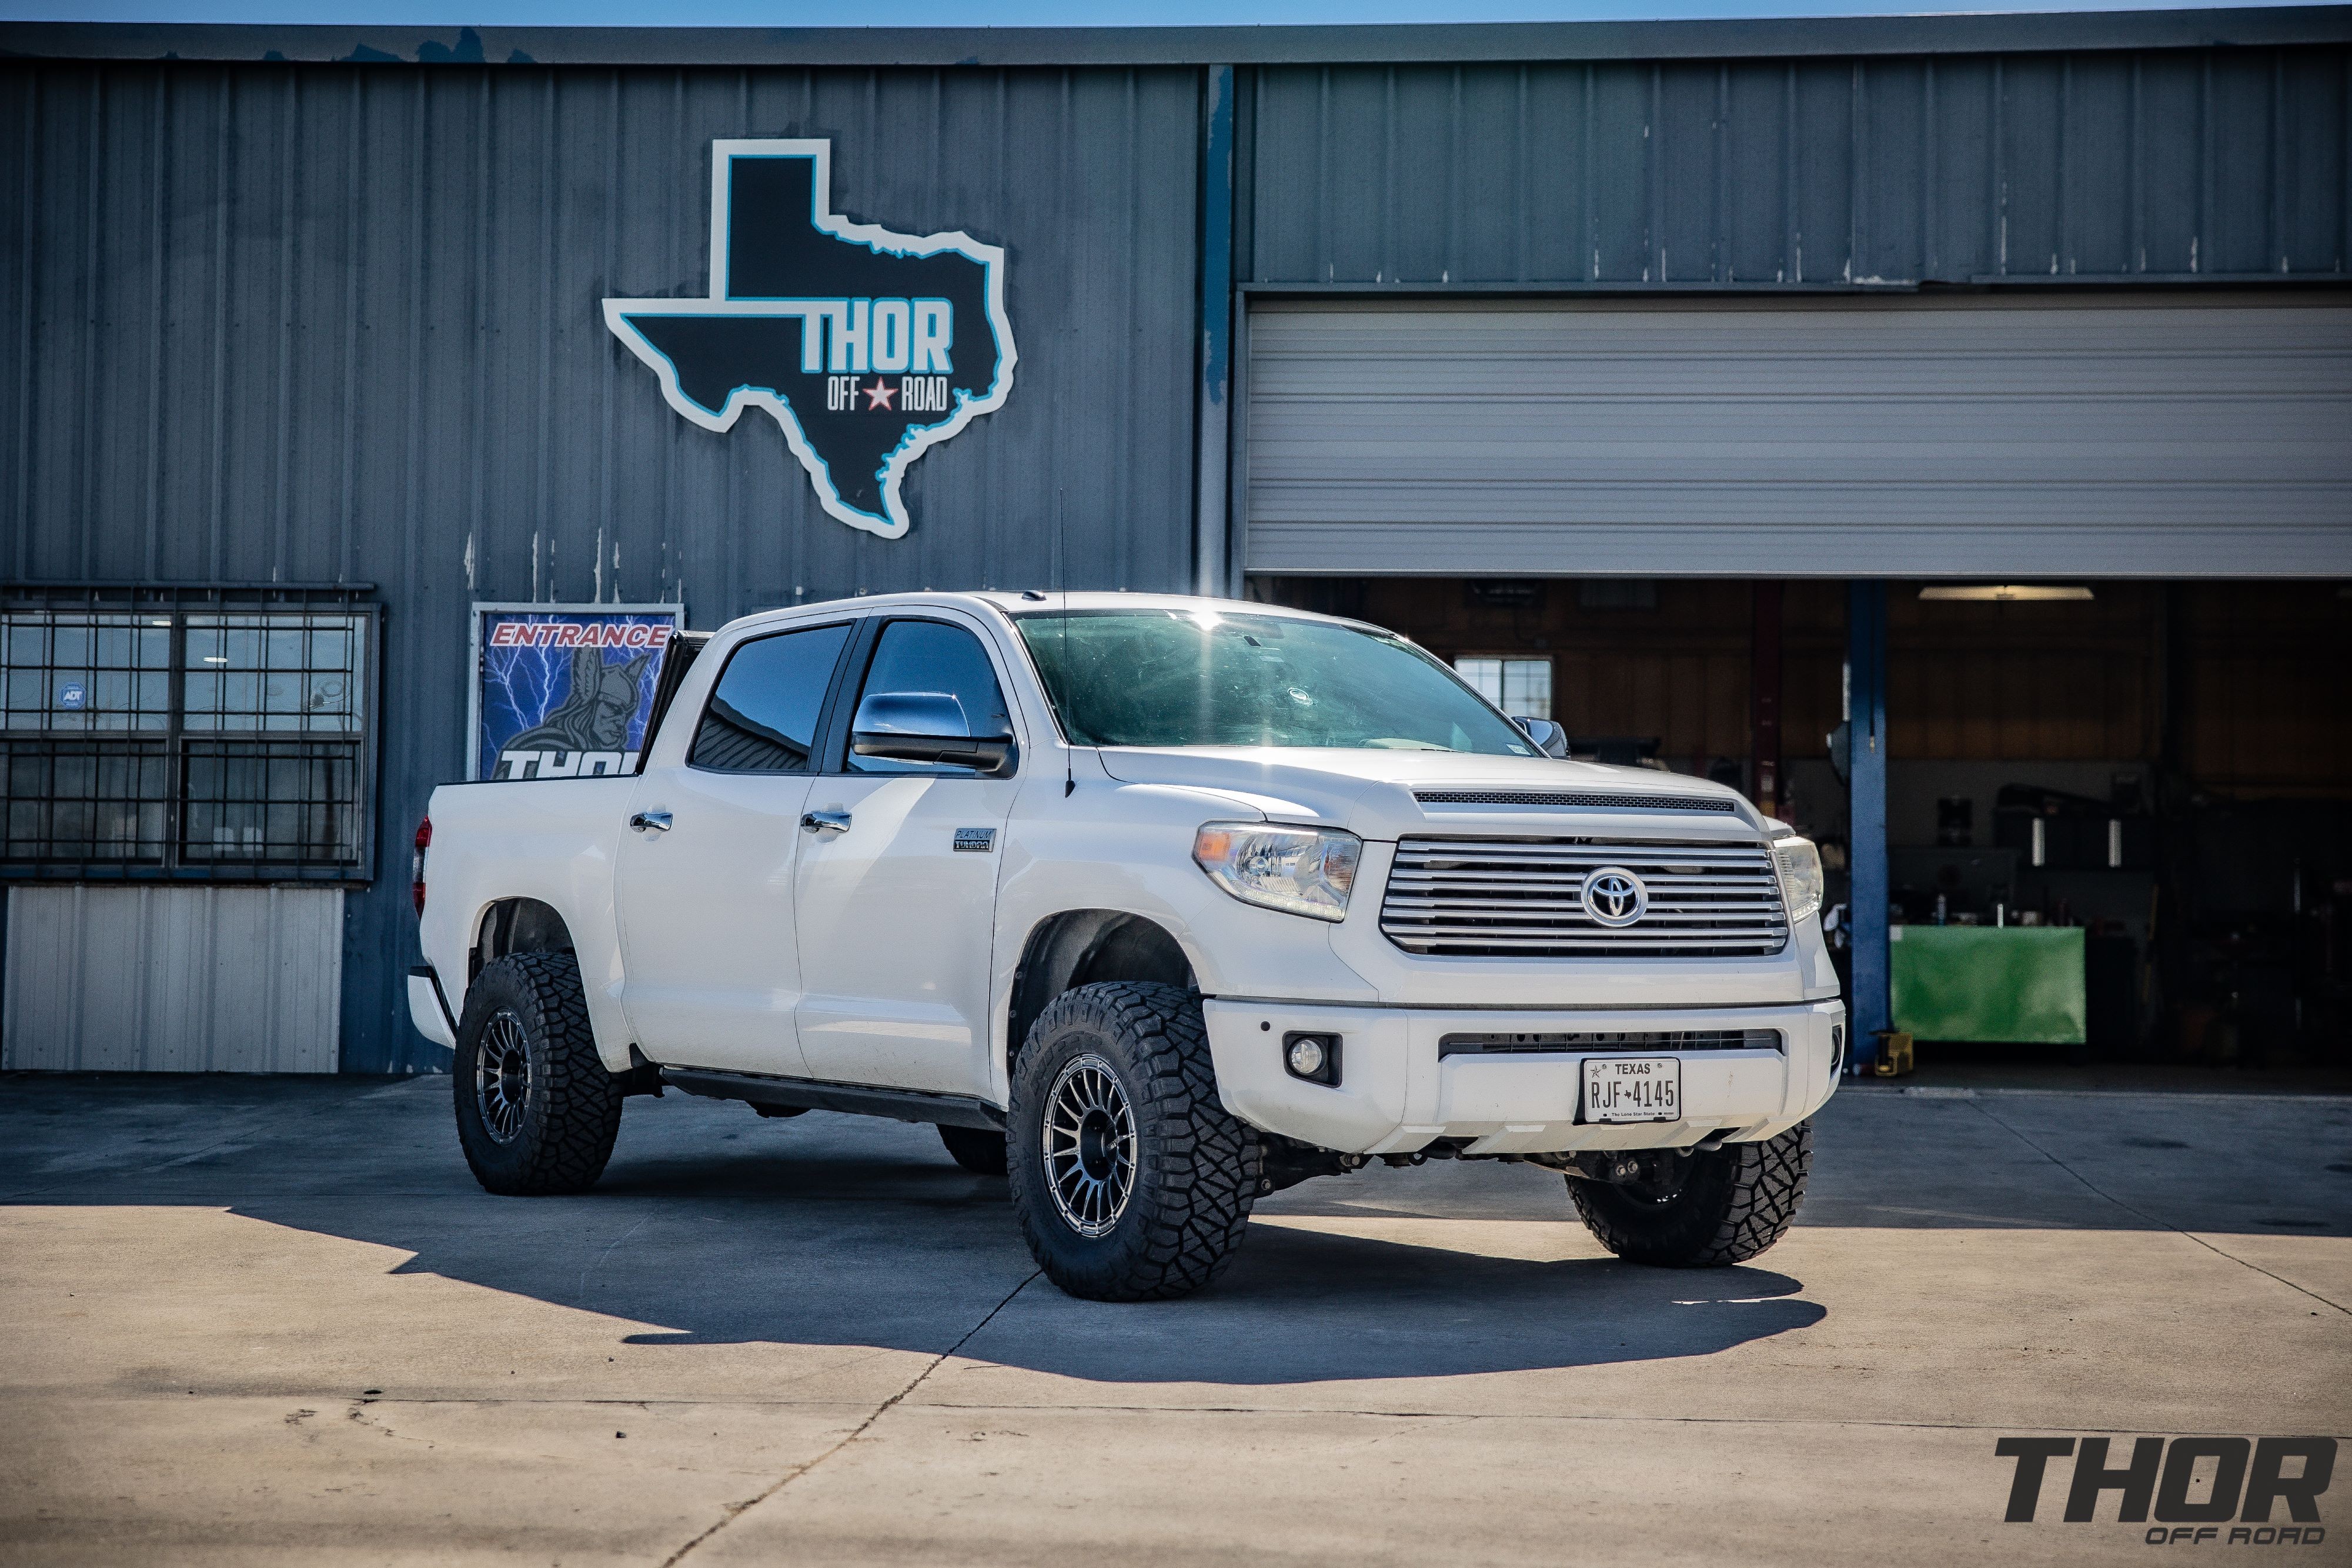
[1396, 1094]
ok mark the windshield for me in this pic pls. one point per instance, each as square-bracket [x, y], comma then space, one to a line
[1164, 677]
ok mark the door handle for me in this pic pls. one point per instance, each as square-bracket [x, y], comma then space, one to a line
[825, 821]
[658, 821]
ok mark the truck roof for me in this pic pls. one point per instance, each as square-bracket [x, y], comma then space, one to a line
[1015, 601]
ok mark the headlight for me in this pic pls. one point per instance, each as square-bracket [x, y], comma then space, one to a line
[1300, 871]
[1801, 876]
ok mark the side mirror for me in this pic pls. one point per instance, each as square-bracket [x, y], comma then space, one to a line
[924, 727]
[1549, 738]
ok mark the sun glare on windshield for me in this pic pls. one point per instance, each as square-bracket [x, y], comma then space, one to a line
[1206, 677]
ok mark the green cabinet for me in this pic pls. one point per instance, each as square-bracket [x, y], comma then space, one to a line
[2021, 983]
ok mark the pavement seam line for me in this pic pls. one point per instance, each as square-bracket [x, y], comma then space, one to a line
[736, 1511]
[2095, 1190]
[1456, 1417]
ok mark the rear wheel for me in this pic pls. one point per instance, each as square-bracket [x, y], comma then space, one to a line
[1131, 1180]
[976, 1149]
[537, 1110]
[1702, 1210]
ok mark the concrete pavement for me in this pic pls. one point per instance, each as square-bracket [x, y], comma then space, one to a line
[259, 1321]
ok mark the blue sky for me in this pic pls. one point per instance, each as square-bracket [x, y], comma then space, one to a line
[984, 13]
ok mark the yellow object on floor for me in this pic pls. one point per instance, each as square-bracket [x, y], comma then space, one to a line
[1895, 1058]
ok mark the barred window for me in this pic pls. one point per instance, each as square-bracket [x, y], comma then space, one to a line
[212, 739]
[1521, 687]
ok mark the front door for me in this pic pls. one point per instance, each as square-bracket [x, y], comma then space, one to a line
[898, 905]
[704, 882]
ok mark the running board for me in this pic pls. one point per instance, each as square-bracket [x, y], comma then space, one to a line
[853, 1099]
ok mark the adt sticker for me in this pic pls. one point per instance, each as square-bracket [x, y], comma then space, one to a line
[73, 696]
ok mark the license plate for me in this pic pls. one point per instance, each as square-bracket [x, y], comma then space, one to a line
[1632, 1088]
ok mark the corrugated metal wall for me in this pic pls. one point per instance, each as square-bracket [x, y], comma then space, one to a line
[1958, 168]
[172, 979]
[334, 324]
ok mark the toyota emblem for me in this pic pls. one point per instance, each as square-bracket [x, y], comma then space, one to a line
[1615, 896]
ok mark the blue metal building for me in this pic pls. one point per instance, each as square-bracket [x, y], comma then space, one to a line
[304, 334]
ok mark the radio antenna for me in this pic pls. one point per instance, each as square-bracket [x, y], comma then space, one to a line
[1062, 571]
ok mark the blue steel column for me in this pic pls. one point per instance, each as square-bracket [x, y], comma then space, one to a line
[1866, 654]
[1212, 421]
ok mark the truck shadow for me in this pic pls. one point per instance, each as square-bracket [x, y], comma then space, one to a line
[713, 1228]
[911, 1254]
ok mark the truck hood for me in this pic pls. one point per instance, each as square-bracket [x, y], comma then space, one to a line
[1386, 794]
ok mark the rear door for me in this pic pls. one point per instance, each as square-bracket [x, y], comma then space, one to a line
[897, 908]
[708, 932]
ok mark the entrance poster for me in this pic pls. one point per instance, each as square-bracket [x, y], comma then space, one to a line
[563, 691]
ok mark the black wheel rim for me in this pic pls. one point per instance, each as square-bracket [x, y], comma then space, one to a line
[502, 1077]
[1089, 1146]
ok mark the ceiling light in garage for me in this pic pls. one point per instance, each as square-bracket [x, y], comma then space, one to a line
[2002, 592]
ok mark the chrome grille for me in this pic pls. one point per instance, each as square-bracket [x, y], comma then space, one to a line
[1524, 897]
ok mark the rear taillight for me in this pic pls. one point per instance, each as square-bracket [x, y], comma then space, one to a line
[416, 866]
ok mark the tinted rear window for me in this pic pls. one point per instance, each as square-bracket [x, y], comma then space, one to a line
[762, 718]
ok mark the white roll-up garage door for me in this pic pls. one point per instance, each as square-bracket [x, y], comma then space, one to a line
[2154, 436]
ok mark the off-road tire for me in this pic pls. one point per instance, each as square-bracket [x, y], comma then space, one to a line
[571, 1108]
[977, 1150]
[1734, 1203]
[1196, 1166]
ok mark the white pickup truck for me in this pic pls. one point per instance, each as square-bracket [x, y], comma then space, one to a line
[1156, 904]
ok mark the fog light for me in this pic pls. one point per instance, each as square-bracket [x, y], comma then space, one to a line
[1313, 1057]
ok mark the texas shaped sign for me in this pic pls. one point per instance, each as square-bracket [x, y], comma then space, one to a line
[869, 347]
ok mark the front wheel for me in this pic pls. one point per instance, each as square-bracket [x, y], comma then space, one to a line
[537, 1110]
[1702, 1210]
[1133, 1181]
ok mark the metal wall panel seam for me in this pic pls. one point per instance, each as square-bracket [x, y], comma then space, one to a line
[1856, 155]
[1122, 415]
[1215, 293]
[1385, 186]
[289, 242]
[2061, 257]
[1792, 242]
[1245, 266]
[1718, 257]
[27, 263]
[354, 268]
[1998, 143]
[2277, 127]
[1591, 219]
[93, 305]
[75, 1028]
[1524, 197]
[2199, 240]
[2137, 156]
[1930, 191]
[1654, 216]
[217, 455]
[158, 254]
